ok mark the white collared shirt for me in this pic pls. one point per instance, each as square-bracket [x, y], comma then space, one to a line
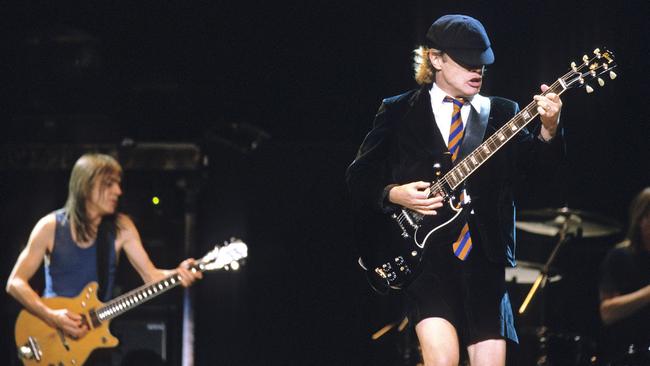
[442, 110]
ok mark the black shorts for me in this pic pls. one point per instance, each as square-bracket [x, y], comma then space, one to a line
[470, 294]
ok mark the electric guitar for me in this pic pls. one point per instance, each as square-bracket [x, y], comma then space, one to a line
[391, 260]
[39, 344]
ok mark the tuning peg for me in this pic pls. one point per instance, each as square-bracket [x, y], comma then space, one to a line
[589, 89]
[573, 66]
[597, 52]
[585, 59]
[605, 65]
[612, 75]
[608, 56]
[601, 82]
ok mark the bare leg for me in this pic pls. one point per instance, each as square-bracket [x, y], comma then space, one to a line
[491, 352]
[439, 342]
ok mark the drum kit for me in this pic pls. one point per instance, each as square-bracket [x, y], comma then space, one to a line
[543, 341]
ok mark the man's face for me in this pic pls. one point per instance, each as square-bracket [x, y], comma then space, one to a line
[104, 194]
[456, 79]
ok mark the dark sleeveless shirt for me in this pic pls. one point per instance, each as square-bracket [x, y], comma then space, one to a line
[625, 271]
[70, 268]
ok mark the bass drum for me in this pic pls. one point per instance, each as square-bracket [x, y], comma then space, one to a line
[634, 355]
[543, 347]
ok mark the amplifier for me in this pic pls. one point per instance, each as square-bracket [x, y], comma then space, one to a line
[142, 342]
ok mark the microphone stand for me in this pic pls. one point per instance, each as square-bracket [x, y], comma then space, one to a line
[565, 234]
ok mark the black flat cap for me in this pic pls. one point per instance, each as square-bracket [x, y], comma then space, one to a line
[461, 37]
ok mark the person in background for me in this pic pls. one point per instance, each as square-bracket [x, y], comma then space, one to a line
[81, 243]
[625, 291]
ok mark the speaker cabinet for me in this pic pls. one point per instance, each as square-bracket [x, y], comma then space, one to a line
[142, 342]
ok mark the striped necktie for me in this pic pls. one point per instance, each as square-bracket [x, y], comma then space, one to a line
[463, 245]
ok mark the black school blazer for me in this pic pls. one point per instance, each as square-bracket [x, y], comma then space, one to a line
[405, 142]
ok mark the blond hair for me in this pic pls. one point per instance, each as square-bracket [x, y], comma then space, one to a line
[424, 70]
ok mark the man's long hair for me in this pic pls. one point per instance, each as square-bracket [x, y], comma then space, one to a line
[639, 208]
[85, 173]
[424, 70]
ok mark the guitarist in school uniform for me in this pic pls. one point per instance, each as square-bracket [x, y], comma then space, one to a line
[459, 298]
[81, 243]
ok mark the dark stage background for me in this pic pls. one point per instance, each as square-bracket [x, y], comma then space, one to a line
[277, 96]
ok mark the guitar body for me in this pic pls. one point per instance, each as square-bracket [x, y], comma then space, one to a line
[392, 246]
[55, 348]
[39, 344]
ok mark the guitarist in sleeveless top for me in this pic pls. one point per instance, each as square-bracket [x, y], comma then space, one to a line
[454, 303]
[81, 243]
[625, 291]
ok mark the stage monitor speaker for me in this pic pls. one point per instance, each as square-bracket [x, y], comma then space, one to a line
[142, 342]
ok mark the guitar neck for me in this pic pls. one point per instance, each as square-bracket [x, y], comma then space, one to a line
[136, 297]
[463, 169]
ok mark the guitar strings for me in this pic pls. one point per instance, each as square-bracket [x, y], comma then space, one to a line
[505, 133]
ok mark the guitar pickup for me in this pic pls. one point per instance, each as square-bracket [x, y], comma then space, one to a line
[409, 219]
[397, 219]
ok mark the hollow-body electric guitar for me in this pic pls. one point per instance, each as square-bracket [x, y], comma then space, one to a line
[39, 344]
[391, 260]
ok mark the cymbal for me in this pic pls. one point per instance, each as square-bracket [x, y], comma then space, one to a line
[549, 221]
[527, 272]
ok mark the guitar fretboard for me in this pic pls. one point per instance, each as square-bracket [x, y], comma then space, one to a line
[226, 256]
[492, 144]
[133, 298]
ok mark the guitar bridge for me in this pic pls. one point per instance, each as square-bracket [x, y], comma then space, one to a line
[397, 219]
[30, 351]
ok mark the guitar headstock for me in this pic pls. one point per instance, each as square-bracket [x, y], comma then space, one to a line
[228, 256]
[589, 69]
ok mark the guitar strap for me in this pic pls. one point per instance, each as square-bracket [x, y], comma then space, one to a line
[105, 234]
[475, 129]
